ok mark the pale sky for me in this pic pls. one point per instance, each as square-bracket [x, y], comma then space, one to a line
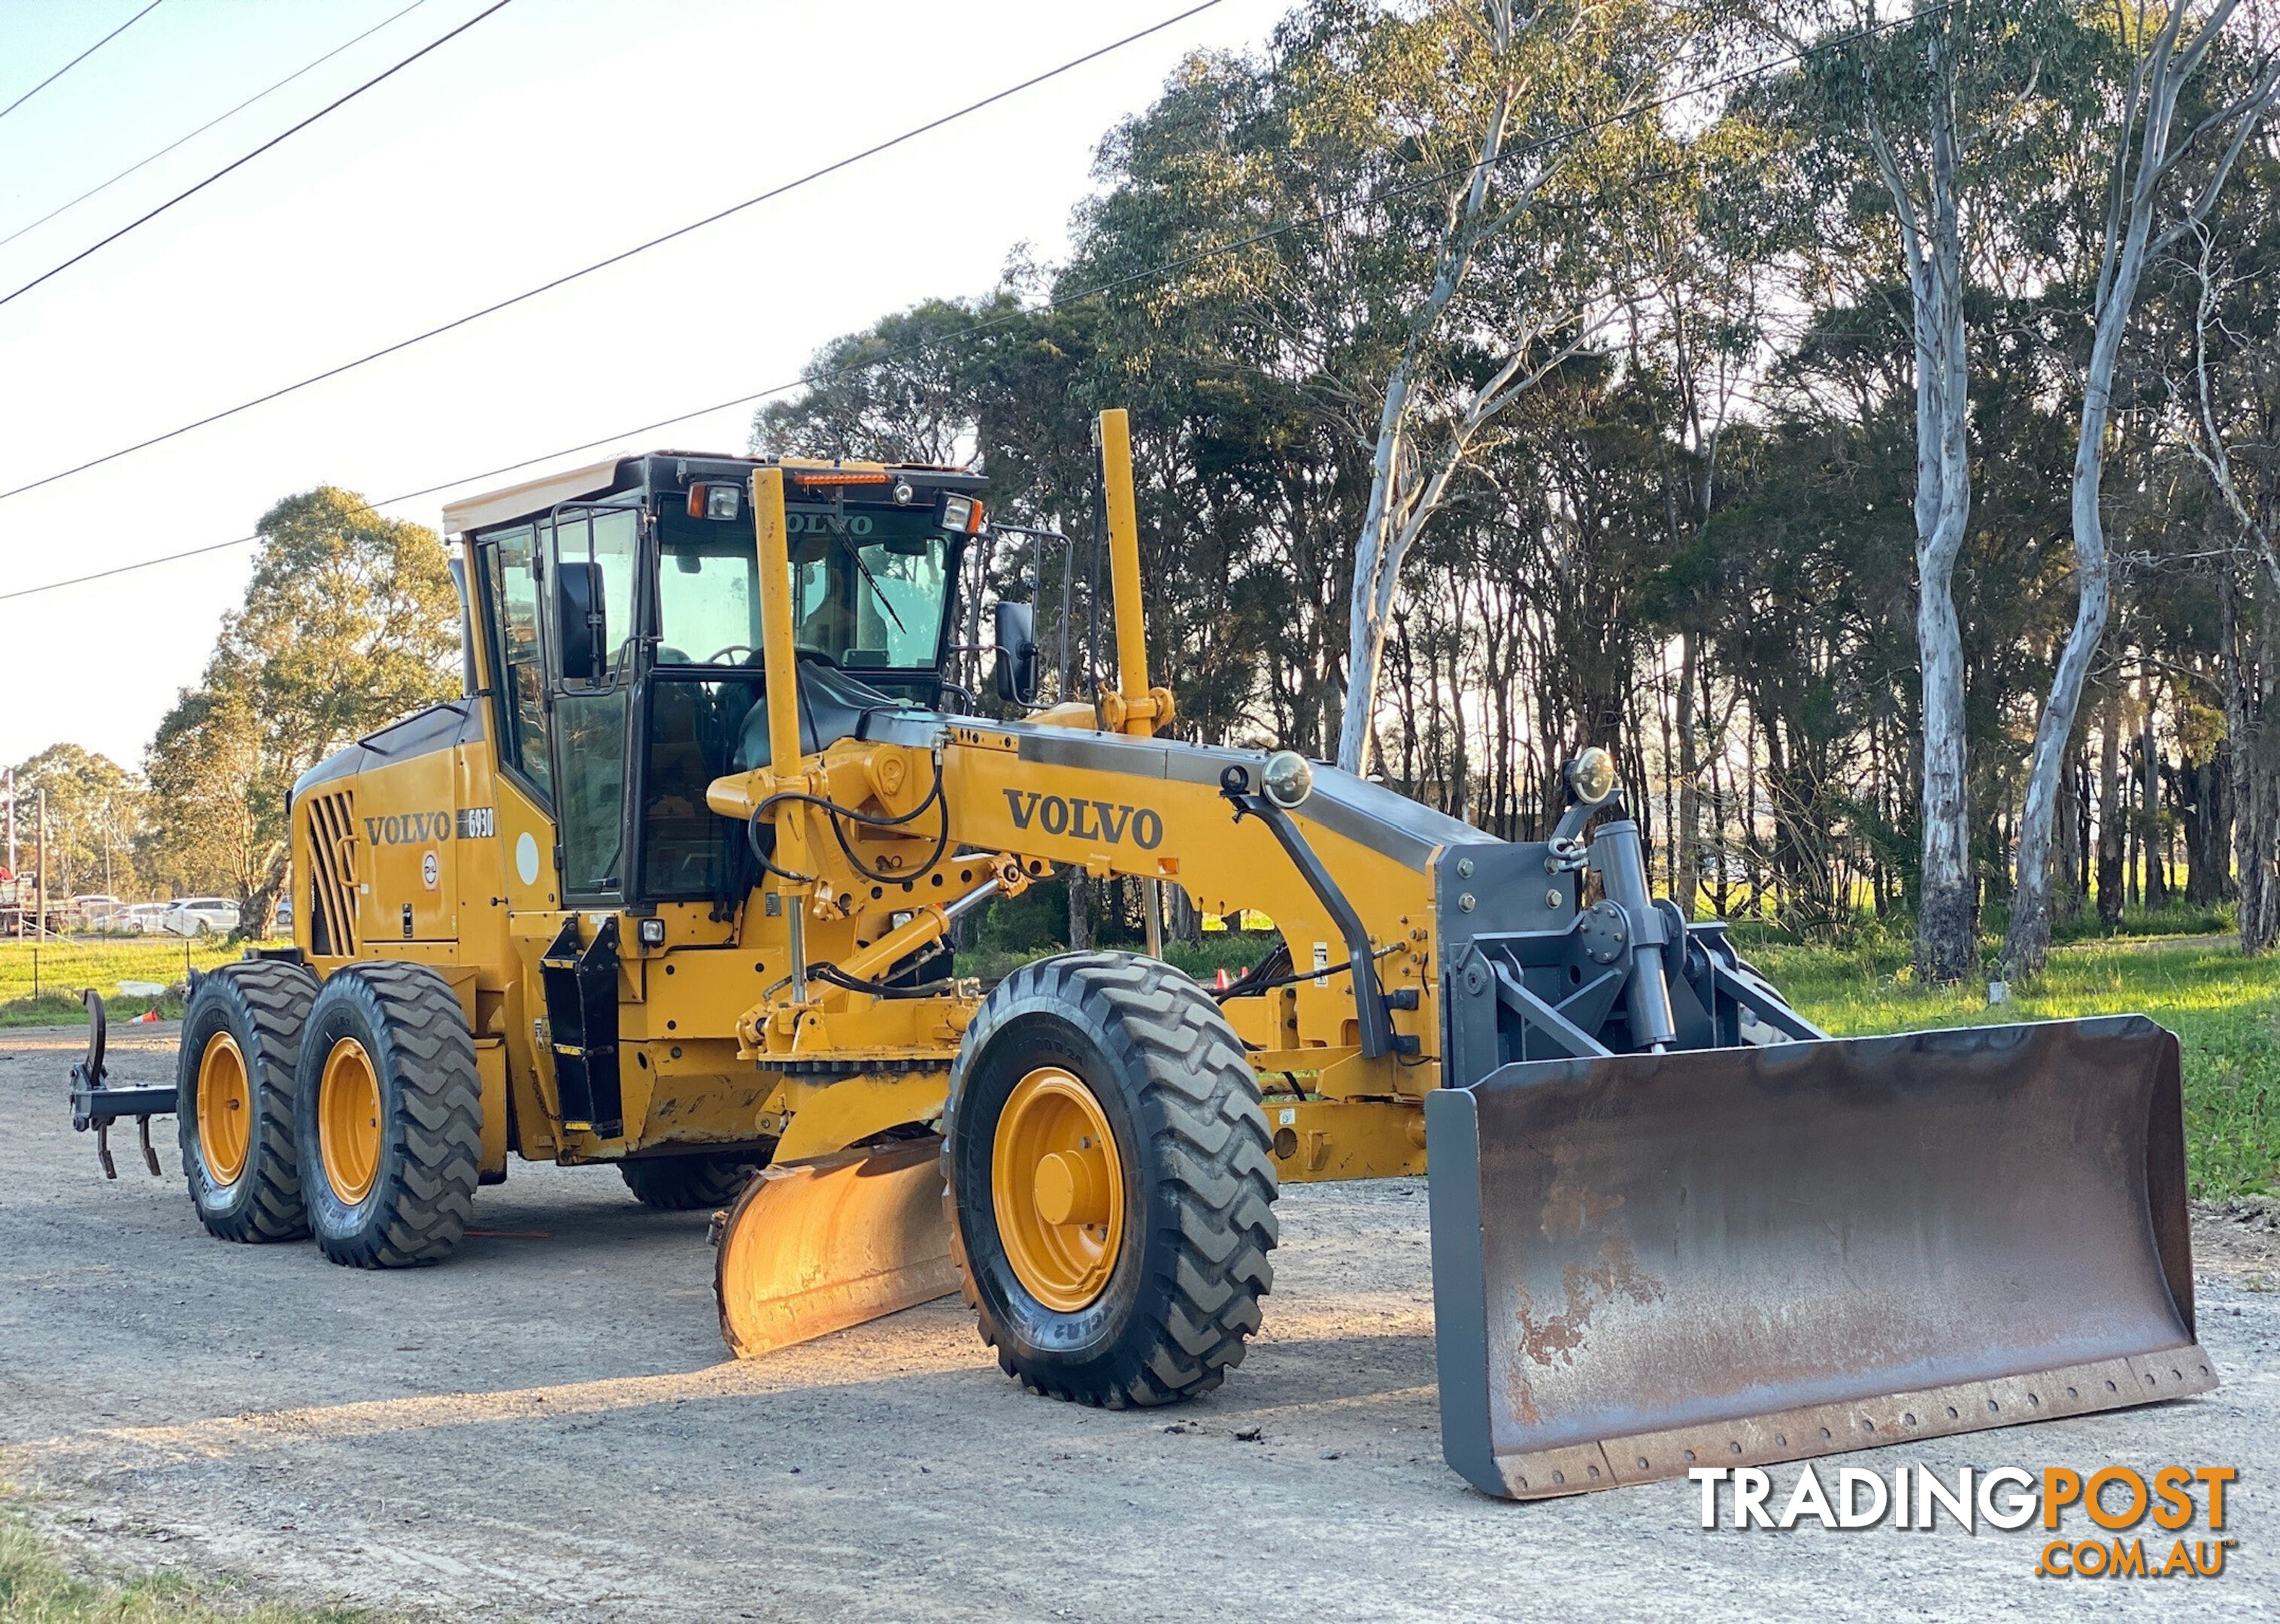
[549, 136]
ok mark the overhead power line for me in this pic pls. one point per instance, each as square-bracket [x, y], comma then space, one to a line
[62, 208]
[773, 192]
[83, 57]
[1060, 302]
[184, 195]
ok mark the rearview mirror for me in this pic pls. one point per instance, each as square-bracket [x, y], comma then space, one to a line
[581, 622]
[1017, 653]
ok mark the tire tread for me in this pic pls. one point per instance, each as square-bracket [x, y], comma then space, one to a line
[276, 993]
[424, 1215]
[1203, 1098]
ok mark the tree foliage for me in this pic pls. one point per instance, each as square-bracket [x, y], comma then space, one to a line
[95, 810]
[1694, 533]
[350, 622]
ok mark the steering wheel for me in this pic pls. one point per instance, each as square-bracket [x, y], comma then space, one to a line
[748, 652]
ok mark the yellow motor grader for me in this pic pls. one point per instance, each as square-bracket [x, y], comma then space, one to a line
[671, 887]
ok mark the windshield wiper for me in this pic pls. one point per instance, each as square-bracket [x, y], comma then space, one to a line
[870, 581]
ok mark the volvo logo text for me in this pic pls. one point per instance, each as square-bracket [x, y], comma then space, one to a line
[1104, 820]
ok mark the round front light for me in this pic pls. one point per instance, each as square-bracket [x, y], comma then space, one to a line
[1287, 779]
[1592, 776]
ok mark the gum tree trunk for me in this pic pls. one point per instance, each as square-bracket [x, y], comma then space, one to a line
[2110, 863]
[1931, 236]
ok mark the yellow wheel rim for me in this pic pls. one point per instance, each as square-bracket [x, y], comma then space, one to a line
[348, 1122]
[1058, 1185]
[225, 1108]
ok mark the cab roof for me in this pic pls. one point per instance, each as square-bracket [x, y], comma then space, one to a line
[664, 474]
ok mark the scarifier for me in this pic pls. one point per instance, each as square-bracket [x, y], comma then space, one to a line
[670, 889]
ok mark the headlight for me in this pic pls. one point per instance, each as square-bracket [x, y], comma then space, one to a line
[1591, 775]
[959, 514]
[1287, 779]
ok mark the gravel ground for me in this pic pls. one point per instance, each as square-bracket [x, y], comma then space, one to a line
[546, 1429]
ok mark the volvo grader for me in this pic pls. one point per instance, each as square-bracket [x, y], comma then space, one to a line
[670, 890]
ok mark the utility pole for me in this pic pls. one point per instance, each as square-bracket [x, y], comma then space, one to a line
[40, 891]
[15, 884]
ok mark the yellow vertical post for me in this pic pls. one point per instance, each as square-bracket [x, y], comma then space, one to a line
[780, 659]
[780, 662]
[1116, 431]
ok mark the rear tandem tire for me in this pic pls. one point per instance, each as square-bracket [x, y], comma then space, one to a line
[242, 1033]
[389, 1117]
[1156, 1306]
[683, 1183]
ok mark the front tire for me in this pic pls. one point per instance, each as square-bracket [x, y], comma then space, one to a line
[388, 1117]
[1110, 1189]
[235, 1082]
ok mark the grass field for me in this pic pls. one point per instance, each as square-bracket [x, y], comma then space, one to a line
[40, 980]
[36, 1588]
[2224, 1009]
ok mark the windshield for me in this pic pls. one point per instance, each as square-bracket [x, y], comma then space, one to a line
[869, 587]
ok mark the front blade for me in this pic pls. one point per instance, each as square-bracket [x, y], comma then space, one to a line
[1728, 1256]
[819, 1246]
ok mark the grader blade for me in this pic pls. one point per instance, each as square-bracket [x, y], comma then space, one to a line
[1728, 1256]
[819, 1246]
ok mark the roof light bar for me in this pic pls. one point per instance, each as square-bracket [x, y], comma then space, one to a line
[839, 476]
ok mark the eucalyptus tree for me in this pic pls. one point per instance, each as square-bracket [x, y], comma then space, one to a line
[2178, 130]
[1499, 138]
[350, 622]
[1940, 112]
[2224, 375]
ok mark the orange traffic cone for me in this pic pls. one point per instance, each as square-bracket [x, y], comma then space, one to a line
[1220, 985]
[148, 1018]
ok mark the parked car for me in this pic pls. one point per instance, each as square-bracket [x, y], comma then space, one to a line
[142, 917]
[199, 916]
[283, 925]
[94, 909]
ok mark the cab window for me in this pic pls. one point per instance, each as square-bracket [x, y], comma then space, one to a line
[707, 595]
[589, 719]
[519, 675]
[870, 588]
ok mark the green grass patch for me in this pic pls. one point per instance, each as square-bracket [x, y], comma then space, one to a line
[37, 1589]
[40, 980]
[2225, 1010]
[2178, 919]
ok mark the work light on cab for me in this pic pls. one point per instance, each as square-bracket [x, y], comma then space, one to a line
[960, 515]
[724, 502]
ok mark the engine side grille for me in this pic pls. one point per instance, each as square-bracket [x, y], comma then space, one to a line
[332, 863]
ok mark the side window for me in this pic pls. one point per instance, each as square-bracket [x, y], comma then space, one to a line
[510, 562]
[607, 540]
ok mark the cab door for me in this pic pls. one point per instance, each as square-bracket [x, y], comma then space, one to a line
[588, 552]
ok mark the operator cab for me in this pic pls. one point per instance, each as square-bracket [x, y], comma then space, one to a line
[620, 610]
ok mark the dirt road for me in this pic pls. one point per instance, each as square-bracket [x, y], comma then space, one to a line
[545, 1429]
